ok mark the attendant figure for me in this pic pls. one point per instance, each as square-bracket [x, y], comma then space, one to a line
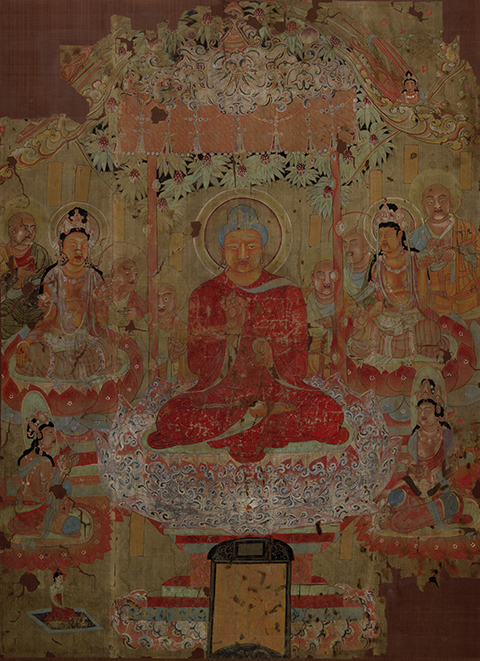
[22, 265]
[423, 496]
[430, 445]
[450, 247]
[248, 346]
[59, 612]
[320, 304]
[125, 307]
[410, 93]
[120, 310]
[395, 327]
[357, 285]
[43, 503]
[171, 362]
[69, 344]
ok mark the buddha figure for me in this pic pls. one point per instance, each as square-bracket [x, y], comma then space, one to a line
[248, 345]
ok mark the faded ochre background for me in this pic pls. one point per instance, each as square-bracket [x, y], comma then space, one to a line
[94, 587]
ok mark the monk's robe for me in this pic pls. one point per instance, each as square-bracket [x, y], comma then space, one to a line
[19, 307]
[230, 379]
[453, 285]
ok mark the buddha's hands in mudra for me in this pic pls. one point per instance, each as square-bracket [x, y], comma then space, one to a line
[235, 313]
[23, 354]
[263, 352]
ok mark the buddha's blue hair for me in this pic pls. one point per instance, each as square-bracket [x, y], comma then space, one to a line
[242, 217]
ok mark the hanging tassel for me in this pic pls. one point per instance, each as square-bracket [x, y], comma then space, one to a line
[196, 148]
[239, 147]
[167, 146]
[310, 145]
[140, 148]
[117, 151]
[333, 141]
[275, 146]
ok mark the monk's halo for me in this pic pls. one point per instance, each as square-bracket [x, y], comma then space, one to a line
[433, 177]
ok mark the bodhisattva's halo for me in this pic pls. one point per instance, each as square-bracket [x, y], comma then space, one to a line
[25, 205]
[34, 404]
[269, 212]
[409, 213]
[435, 177]
[100, 227]
[125, 250]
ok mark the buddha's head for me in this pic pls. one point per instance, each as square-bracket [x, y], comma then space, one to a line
[242, 240]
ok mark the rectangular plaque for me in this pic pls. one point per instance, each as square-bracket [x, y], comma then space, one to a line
[250, 605]
[249, 549]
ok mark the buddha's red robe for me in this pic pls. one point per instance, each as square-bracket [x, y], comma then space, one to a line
[230, 381]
